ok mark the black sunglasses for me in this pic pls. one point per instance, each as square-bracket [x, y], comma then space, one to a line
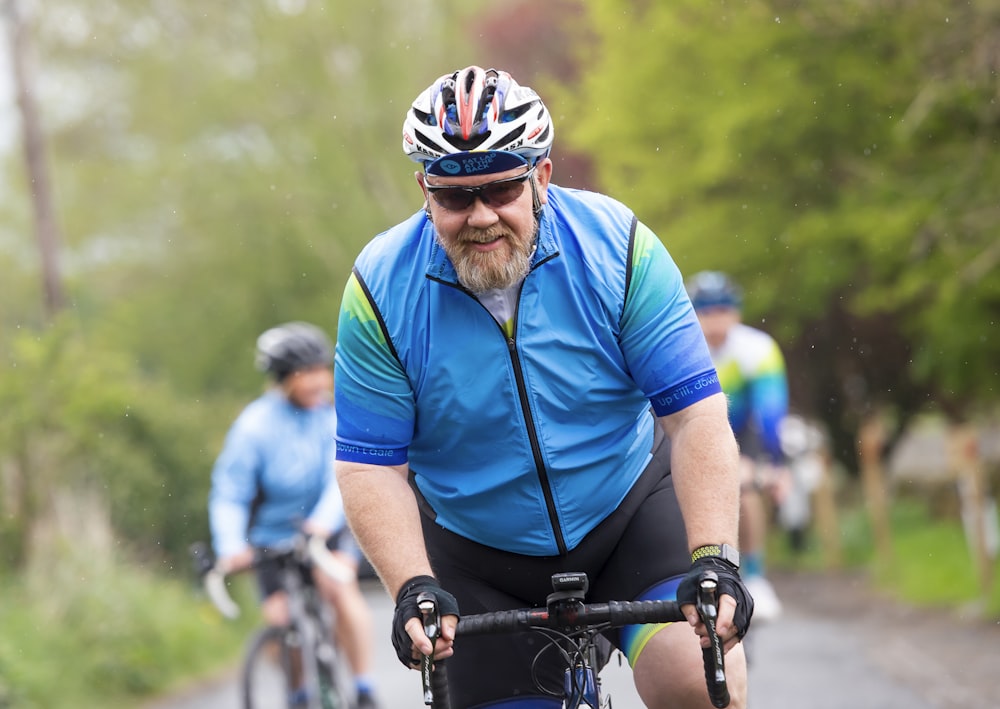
[493, 194]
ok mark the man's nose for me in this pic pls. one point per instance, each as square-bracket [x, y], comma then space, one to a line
[481, 214]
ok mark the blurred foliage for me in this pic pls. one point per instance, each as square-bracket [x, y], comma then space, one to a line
[839, 159]
[225, 164]
[77, 416]
[216, 167]
[113, 635]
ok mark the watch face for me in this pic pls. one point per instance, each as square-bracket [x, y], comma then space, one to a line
[731, 555]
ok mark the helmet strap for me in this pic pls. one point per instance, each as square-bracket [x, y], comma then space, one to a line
[536, 202]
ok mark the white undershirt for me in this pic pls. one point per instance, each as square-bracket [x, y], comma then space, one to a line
[502, 303]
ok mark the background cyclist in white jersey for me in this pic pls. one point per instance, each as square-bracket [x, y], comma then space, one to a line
[752, 374]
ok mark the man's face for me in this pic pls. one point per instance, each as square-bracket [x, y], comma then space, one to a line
[490, 245]
[716, 322]
[309, 388]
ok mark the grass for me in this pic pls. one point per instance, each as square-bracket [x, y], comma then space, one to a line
[930, 565]
[107, 637]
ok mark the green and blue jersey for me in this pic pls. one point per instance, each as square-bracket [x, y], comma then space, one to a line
[752, 373]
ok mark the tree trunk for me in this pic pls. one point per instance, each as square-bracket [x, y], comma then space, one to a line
[46, 229]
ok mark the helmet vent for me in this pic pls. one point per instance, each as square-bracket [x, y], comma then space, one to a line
[427, 142]
[512, 114]
[511, 137]
[460, 143]
[424, 117]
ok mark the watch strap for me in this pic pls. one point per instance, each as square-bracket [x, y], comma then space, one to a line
[722, 551]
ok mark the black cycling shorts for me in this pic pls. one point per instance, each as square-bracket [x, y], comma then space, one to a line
[640, 545]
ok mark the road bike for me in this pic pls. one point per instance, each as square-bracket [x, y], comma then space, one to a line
[297, 665]
[574, 629]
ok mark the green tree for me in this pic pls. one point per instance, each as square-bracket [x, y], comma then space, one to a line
[79, 420]
[219, 166]
[216, 169]
[839, 159]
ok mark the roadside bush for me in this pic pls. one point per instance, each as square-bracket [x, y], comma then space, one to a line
[106, 634]
[104, 474]
[77, 416]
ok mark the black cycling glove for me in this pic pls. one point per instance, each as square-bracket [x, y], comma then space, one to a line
[730, 584]
[406, 608]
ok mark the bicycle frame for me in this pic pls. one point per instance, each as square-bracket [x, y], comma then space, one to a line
[309, 631]
[306, 621]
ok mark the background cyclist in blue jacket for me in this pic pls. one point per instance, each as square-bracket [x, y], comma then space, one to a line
[523, 388]
[275, 477]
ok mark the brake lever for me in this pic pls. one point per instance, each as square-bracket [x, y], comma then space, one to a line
[714, 658]
[432, 629]
[213, 580]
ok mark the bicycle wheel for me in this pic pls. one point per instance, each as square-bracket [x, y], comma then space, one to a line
[266, 670]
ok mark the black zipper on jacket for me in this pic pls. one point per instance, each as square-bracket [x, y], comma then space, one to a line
[529, 421]
[536, 449]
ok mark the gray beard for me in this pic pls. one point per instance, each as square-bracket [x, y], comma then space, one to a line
[479, 279]
[479, 275]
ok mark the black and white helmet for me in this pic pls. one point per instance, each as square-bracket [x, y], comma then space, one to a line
[477, 109]
[291, 347]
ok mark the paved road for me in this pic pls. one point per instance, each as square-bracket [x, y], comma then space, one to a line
[806, 658]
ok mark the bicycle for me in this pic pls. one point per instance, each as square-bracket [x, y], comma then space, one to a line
[573, 628]
[278, 661]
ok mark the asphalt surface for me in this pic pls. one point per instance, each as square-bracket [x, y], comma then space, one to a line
[836, 646]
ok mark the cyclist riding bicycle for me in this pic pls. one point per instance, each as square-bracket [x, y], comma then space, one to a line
[274, 478]
[752, 373]
[523, 389]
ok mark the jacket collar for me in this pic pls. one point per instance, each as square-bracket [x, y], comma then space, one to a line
[440, 268]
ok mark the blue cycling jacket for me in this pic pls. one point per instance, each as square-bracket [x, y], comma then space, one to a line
[523, 443]
[275, 471]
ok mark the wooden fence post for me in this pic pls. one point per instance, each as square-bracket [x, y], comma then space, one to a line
[827, 526]
[871, 443]
[968, 468]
